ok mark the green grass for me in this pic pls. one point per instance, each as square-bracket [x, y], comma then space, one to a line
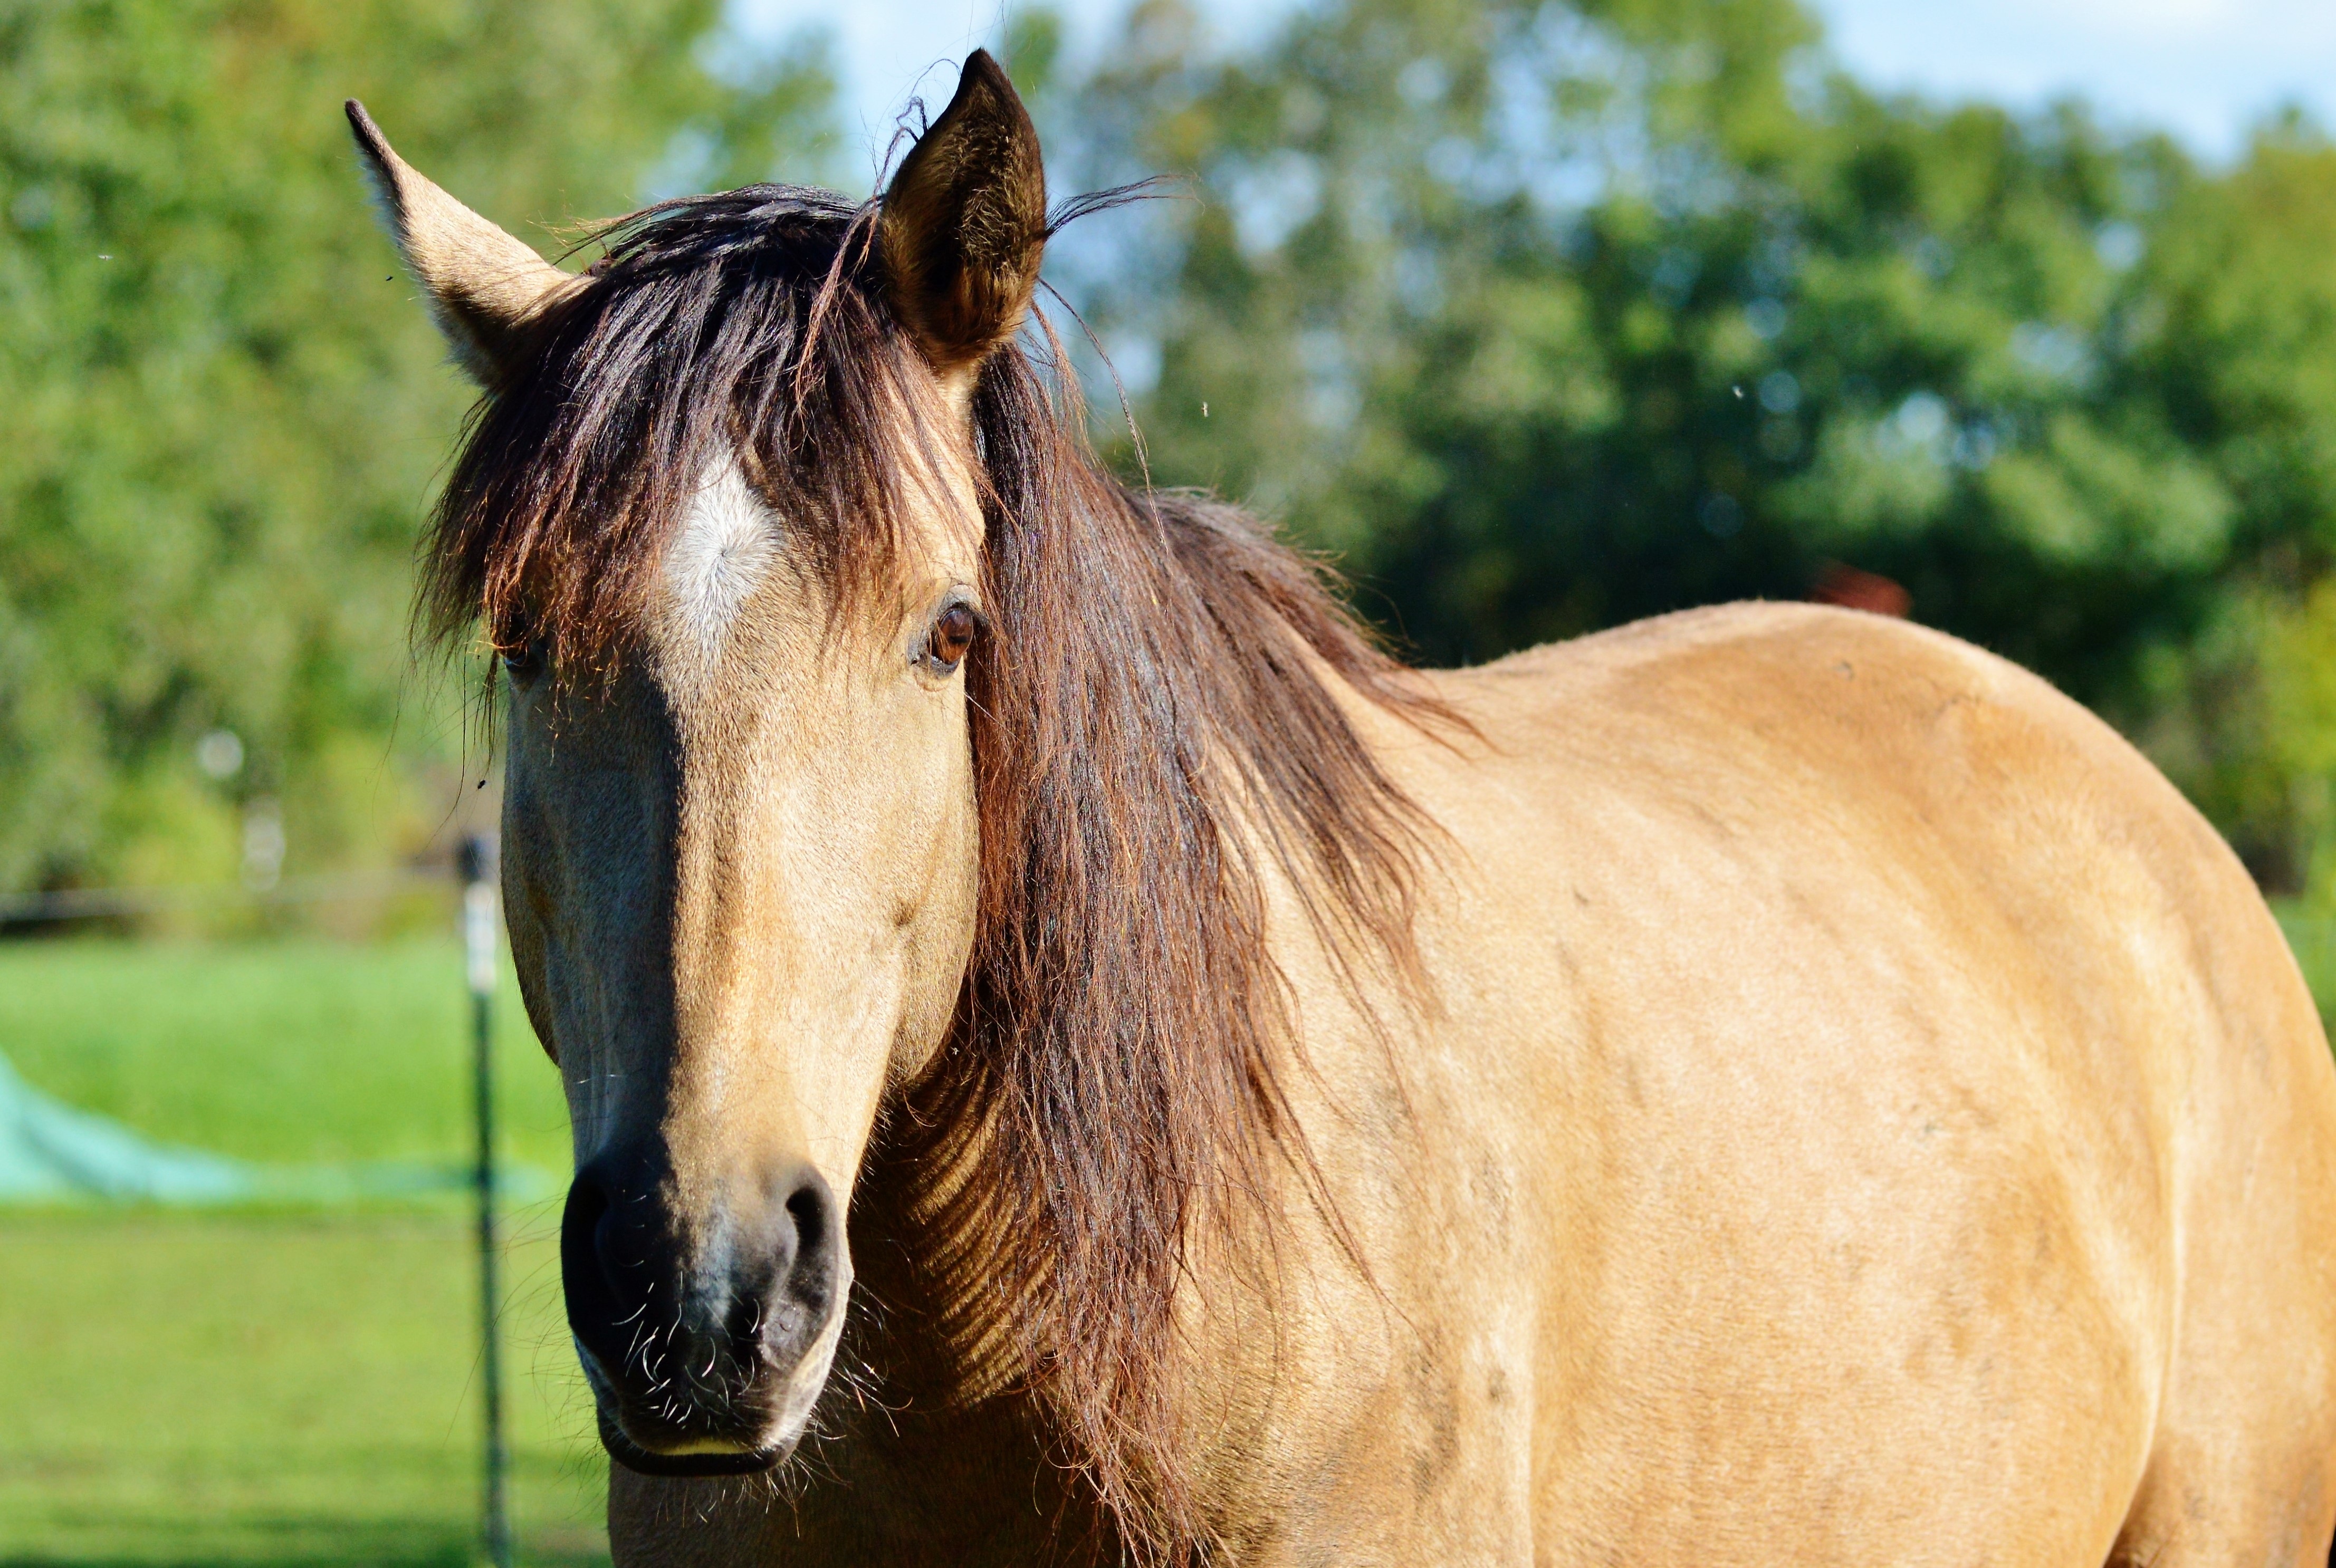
[274, 1389]
[277, 1389]
[290, 1051]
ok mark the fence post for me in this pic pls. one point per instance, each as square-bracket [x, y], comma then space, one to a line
[481, 900]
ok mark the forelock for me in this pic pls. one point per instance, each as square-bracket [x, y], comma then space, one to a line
[748, 321]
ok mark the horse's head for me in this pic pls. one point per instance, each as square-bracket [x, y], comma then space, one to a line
[719, 513]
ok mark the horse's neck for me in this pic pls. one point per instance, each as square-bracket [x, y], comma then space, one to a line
[960, 1452]
[942, 1409]
[885, 1479]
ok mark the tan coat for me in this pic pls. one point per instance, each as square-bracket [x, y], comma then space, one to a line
[1852, 1110]
[1871, 1118]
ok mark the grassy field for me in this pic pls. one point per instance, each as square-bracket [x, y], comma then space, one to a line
[273, 1390]
[278, 1388]
[289, 1051]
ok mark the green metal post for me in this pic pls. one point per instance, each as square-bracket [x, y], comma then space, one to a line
[480, 899]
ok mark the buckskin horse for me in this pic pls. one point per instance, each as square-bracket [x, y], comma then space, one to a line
[1078, 1056]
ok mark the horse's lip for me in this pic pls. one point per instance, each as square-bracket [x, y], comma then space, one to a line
[701, 1459]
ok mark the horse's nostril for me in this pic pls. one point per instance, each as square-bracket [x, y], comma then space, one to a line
[696, 1328]
[610, 1261]
[809, 1204]
[592, 1293]
[609, 1248]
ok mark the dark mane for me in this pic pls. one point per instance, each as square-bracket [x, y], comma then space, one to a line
[691, 338]
[1155, 733]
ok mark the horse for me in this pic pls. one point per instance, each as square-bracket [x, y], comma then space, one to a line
[1077, 1055]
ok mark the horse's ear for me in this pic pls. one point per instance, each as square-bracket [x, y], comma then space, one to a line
[485, 288]
[965, 222]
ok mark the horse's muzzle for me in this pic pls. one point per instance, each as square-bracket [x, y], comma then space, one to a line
[705, 1344]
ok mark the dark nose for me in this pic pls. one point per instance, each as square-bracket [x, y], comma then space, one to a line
[695, 1328]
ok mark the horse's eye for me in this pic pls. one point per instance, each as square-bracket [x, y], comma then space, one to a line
[525, 662]
[948, 638]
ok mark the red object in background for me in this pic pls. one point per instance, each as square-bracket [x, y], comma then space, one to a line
[1855, 590]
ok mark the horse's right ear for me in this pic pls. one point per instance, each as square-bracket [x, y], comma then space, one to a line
[485, 288]
[964, 223]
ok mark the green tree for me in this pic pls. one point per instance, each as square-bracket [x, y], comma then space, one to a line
[2234, 337]
[221, 411]
[1547, 316]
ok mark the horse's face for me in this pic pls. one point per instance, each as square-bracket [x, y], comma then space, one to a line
[740, 871]
[739, 880]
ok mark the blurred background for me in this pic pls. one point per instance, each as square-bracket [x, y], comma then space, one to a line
[2018, 316]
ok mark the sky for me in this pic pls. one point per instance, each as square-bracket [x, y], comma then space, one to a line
[2203, 69]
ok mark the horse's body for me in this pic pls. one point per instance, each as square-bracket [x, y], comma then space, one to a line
[1871, 1117]
[1769, 1085]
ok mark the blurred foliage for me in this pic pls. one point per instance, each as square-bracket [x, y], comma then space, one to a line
[1543, 317]
[1539, 315]
[221, 411]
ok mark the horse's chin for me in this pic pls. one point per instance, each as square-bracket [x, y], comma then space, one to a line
[709, 1455]
[700, 1458]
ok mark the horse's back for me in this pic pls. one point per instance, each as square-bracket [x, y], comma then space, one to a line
[1931, 1135]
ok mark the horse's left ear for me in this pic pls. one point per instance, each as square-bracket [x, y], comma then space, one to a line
[965, 222]
[486, 288]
